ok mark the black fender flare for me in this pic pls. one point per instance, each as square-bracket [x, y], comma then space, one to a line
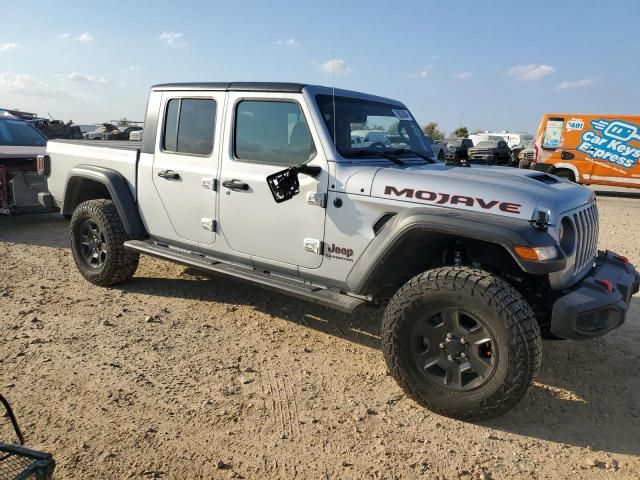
[502, 231]
[119, 192]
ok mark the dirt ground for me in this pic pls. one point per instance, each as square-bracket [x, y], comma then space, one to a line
[177, 375]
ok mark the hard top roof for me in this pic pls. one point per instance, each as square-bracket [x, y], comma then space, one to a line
[279, 87]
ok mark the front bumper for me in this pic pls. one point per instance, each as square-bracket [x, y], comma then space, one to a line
[599, 302]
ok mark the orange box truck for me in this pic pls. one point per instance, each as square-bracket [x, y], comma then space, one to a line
[590, 149]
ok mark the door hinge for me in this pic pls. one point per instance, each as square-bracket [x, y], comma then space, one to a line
[313, 245]
[317, 199]
[210, 183]
[209, 224]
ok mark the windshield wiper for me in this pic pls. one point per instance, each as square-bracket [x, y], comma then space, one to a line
[388, 155]
[413, 152]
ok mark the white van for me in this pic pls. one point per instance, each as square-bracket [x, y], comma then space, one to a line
[484, 137]
[512, 138]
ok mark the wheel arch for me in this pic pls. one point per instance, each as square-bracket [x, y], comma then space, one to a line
[566, 166]
[91, 183]
[419, 239]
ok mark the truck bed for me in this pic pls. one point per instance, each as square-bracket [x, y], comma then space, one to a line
[121, 156]
[122, 144]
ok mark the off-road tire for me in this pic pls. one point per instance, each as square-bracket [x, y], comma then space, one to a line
[524, 164]
[504, 311]
[120, 264]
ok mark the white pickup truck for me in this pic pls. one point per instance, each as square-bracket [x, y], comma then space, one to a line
[263, 183]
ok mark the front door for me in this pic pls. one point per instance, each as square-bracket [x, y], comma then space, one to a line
[186, 163]
[269, 133]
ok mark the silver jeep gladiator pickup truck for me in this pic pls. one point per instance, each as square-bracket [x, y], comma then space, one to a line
[262, 182]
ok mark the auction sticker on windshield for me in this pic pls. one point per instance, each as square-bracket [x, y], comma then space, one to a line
[402, 114]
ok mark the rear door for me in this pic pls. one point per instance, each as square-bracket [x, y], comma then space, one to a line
[186, 163]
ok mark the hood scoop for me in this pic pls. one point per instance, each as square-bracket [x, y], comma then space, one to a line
[544, 178]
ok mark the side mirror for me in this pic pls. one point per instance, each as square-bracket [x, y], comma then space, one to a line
[284, 185]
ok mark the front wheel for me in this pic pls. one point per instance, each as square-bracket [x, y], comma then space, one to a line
[461, 342]
[97, 244]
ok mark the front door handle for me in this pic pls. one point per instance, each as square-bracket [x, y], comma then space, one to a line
[169, 175]
[235, 184]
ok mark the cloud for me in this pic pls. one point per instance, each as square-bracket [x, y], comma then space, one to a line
[423, 73]
[86, 37]
[4, 47]
[173, 39]
[584, 83]
[291, 42]
[530, 72]
[132, 69]
[81, 78]
[64, 35]
[26, 85]
[337, 66]
[462, 75]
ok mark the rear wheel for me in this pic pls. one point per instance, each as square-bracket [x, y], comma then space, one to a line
[461, 342]
[97, 243]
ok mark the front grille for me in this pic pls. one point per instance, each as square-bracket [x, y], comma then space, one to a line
[528, 155]
[587, 228]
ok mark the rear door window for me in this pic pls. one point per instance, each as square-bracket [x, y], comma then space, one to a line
[553, 133]
[189, 126]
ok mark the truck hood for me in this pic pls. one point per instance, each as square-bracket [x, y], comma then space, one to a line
[509, 192]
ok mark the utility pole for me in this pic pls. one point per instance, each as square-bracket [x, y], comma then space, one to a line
[461, 115]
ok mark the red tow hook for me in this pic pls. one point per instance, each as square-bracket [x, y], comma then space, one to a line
[622, 258]
[606, 284]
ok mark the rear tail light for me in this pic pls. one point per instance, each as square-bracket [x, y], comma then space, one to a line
[43, 164]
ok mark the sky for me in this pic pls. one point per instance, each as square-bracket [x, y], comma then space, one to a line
[499, 66]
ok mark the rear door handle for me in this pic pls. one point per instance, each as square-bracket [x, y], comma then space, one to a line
[169, 175]
[235, 184]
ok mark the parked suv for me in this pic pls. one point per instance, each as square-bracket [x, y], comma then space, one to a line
[261, 182]
[494, 152]
[458, 149]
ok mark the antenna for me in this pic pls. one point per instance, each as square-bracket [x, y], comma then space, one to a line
[333, 95]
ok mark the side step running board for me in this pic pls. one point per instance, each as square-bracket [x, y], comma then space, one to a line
[276, 282]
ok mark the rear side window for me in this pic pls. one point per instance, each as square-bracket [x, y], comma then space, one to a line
[553, 133]
[272, 132]
[189, 126]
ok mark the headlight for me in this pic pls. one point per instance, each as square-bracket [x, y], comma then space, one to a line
[567, 236]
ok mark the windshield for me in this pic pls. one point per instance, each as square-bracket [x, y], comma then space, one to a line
[366, 127]
[16, 133]
[454, 143]
[488, 144]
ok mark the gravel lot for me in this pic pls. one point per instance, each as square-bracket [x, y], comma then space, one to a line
[178, 375]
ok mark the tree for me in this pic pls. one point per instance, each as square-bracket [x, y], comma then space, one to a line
[432, 130]
[461, 132]
[123, 122]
